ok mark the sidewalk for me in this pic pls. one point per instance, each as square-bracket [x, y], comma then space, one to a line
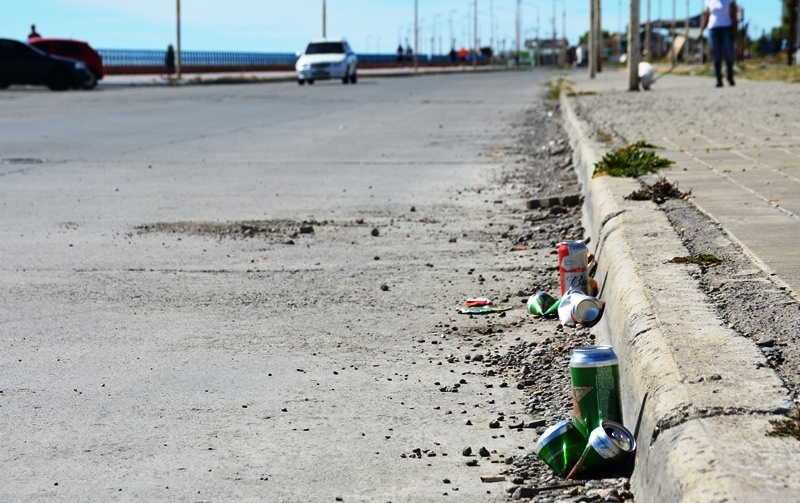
[699, 394]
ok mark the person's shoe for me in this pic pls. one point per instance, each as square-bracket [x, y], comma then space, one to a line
[731, 81]
[719, 83]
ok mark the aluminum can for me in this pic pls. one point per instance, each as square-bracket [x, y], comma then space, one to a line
[609, 445]
[577, 308]
[540, 303]
[595, 387]
[573, 266]
[560, 447]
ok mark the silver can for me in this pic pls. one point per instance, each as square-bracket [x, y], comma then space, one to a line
[578, 308]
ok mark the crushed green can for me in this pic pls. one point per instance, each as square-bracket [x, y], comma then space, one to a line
[560, 447]
[610, 444]
[542, 304]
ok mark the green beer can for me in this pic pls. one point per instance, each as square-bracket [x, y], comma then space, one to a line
[541, 304]
[595, 387]
[560, 447]
[609, 444]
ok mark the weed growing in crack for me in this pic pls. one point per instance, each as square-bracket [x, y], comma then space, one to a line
[658, 192]
[789, 427]
[560, 84]
[631, 161]
[704, 260]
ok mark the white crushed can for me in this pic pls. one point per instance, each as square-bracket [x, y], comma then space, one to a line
[579, 308]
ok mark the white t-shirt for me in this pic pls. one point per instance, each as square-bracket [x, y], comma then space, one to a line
[720, 13]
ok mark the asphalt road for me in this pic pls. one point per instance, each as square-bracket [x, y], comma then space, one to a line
[232, 292]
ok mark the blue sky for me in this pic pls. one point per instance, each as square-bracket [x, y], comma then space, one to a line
[280, 26]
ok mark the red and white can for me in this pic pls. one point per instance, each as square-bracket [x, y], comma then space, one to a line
[573, 266]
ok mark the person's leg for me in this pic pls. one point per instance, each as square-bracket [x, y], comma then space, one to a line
[717, 43]
[730, 55]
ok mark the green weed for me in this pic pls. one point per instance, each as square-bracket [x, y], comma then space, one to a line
[631, 161]
[789, 427]
[704, 260]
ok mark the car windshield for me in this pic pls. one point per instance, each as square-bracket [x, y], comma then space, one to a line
[325, 48]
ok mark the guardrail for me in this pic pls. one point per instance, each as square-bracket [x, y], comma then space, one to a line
[139, 61]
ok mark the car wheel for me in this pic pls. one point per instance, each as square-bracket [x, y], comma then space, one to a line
[3, 85]
[91, 82]
[354, 77]
[59, 80]
[310, 82]
[346, 78]
[300, 82]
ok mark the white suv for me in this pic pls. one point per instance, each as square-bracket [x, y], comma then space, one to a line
[326, 59]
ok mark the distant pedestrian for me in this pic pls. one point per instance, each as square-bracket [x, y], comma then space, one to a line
[399, 53]
[169, 60]
[720, 17]
[452, 55]
[462, 54]
[33, 34]
[409, 53]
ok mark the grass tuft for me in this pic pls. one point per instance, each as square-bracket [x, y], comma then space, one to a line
[631, 161]
[559, 85]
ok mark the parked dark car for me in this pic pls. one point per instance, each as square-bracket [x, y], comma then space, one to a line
[73, 49]
[21, 63]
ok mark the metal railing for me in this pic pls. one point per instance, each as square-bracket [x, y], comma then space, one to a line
[154, 61]
[137, 57]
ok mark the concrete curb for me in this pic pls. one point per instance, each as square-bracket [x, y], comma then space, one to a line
[697, 396]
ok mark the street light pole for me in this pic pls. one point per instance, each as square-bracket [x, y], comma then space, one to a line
[563, 32]
[592, 39]
[178, 58]
[324, 20]
[634, 49]
[553, 49]
[519, 28]
[416, 35]
[452, 39]
[475, 37]
[647, 34]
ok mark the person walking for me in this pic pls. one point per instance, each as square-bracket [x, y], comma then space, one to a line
[33, 34]
[720, 16]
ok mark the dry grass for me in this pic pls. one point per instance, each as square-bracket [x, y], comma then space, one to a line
[757, 69]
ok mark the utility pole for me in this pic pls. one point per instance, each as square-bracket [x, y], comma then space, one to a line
[674, 17]
[686, 45]
[553, 48]
[599, 28]
[647, 44]
[634, 49]
[178, 55]
[416, 35]
[491, 28]
[324, 20]
[660, 35]
[592, 39]
[792, 31]
[519, 25]
[563, 32]
[475, 37]
[452, 39]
